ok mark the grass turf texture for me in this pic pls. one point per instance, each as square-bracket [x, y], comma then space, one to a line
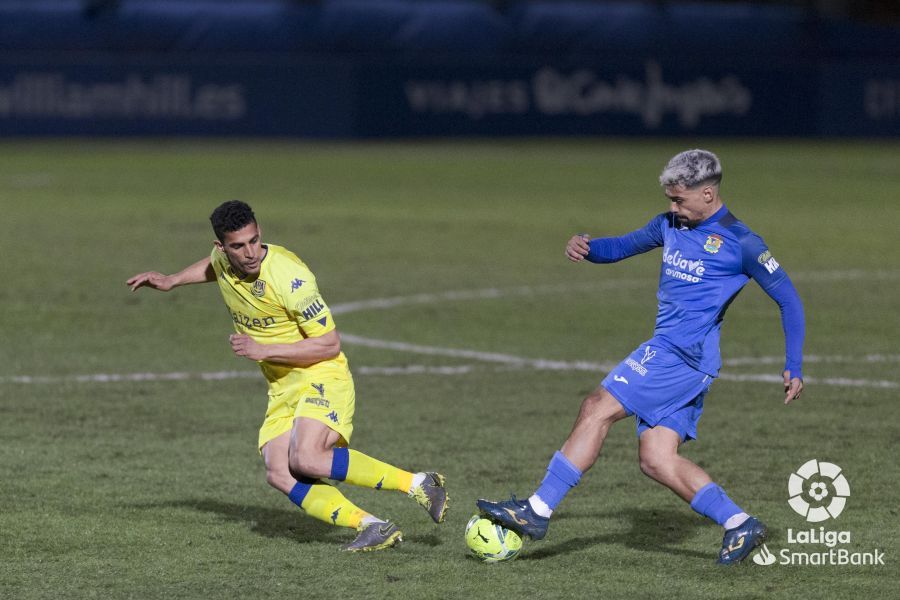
[154, 489]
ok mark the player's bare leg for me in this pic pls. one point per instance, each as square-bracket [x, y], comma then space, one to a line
[580, 451]
[598, 412]
[311, 448]
[660, 461]
[295, 463]
[275, 455]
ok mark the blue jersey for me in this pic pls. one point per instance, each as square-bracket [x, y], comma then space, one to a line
[703, 269]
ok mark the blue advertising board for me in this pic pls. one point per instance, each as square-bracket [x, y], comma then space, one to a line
[346, 98]
[177, 96]
[859, 99]
[622, 98]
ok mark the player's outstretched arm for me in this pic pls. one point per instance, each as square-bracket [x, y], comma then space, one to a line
[304, 353]
[613, 249]
[199, 272]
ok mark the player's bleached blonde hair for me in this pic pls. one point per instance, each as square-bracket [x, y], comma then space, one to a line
[692, 168]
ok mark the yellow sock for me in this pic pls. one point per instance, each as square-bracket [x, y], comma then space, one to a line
[366, 471]
[326, 503]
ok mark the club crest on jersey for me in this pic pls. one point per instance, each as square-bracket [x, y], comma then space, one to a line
[713, 243]
[259, 288]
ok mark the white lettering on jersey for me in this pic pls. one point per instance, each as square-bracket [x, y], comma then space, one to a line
[768, 261]
[695, 268]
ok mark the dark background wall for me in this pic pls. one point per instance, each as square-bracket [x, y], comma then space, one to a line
[373, 68]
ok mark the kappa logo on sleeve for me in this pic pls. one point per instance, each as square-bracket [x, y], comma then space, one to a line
[296, 284]
[768, 261]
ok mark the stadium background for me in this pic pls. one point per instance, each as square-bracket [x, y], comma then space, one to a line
[429, 159]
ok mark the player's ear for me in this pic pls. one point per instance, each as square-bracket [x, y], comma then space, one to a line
[218, 245]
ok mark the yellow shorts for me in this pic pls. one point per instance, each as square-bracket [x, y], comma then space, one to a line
[330, 400]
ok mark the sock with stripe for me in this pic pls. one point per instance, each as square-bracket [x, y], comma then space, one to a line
[326, 503]
[359, 469]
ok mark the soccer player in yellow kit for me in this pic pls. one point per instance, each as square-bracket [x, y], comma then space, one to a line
[284, 325]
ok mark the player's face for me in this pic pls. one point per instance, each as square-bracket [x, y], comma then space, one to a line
[691, 206]
[244, 249]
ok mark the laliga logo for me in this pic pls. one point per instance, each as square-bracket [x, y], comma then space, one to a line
[818, 491]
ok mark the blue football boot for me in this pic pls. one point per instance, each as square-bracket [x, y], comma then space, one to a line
[739, 542]
[516, 515]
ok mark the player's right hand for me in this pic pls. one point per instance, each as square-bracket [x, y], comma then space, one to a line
[151, 279]
[578, 248]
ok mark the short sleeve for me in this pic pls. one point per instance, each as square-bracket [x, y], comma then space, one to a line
[307, 307]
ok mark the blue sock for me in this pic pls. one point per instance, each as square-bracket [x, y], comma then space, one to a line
[561, 477]
[712, 501]
[300, 490]
[340, 462]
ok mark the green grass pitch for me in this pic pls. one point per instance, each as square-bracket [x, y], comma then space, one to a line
[146, 487]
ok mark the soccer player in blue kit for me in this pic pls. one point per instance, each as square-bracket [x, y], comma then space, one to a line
[708, 256]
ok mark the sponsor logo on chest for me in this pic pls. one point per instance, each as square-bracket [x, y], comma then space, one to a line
[682, 268]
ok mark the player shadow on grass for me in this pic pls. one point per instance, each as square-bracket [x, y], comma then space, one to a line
[651, 530]
[269, 522]
[276, 522]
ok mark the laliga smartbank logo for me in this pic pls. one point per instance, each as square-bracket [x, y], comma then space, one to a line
[818, 491]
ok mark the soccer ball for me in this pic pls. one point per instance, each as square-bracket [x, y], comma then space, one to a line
[491, 542]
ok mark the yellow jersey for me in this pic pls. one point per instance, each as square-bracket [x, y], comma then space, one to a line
[280, 306]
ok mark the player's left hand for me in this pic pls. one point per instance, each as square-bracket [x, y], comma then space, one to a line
[243, 345]
[793, 387]
[577, 247]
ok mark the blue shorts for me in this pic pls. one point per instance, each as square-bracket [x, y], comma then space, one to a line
[656, 386]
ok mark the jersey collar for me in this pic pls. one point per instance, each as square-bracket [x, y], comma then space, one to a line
[714, 217]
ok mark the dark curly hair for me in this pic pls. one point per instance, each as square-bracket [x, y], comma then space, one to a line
[231, 216]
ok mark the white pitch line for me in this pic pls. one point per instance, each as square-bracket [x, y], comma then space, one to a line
[833, 381]
[482, 294]
[497, 293]
[812, 358]
[509, 362]
[223, 375]
[496, 357]
[561, 365]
